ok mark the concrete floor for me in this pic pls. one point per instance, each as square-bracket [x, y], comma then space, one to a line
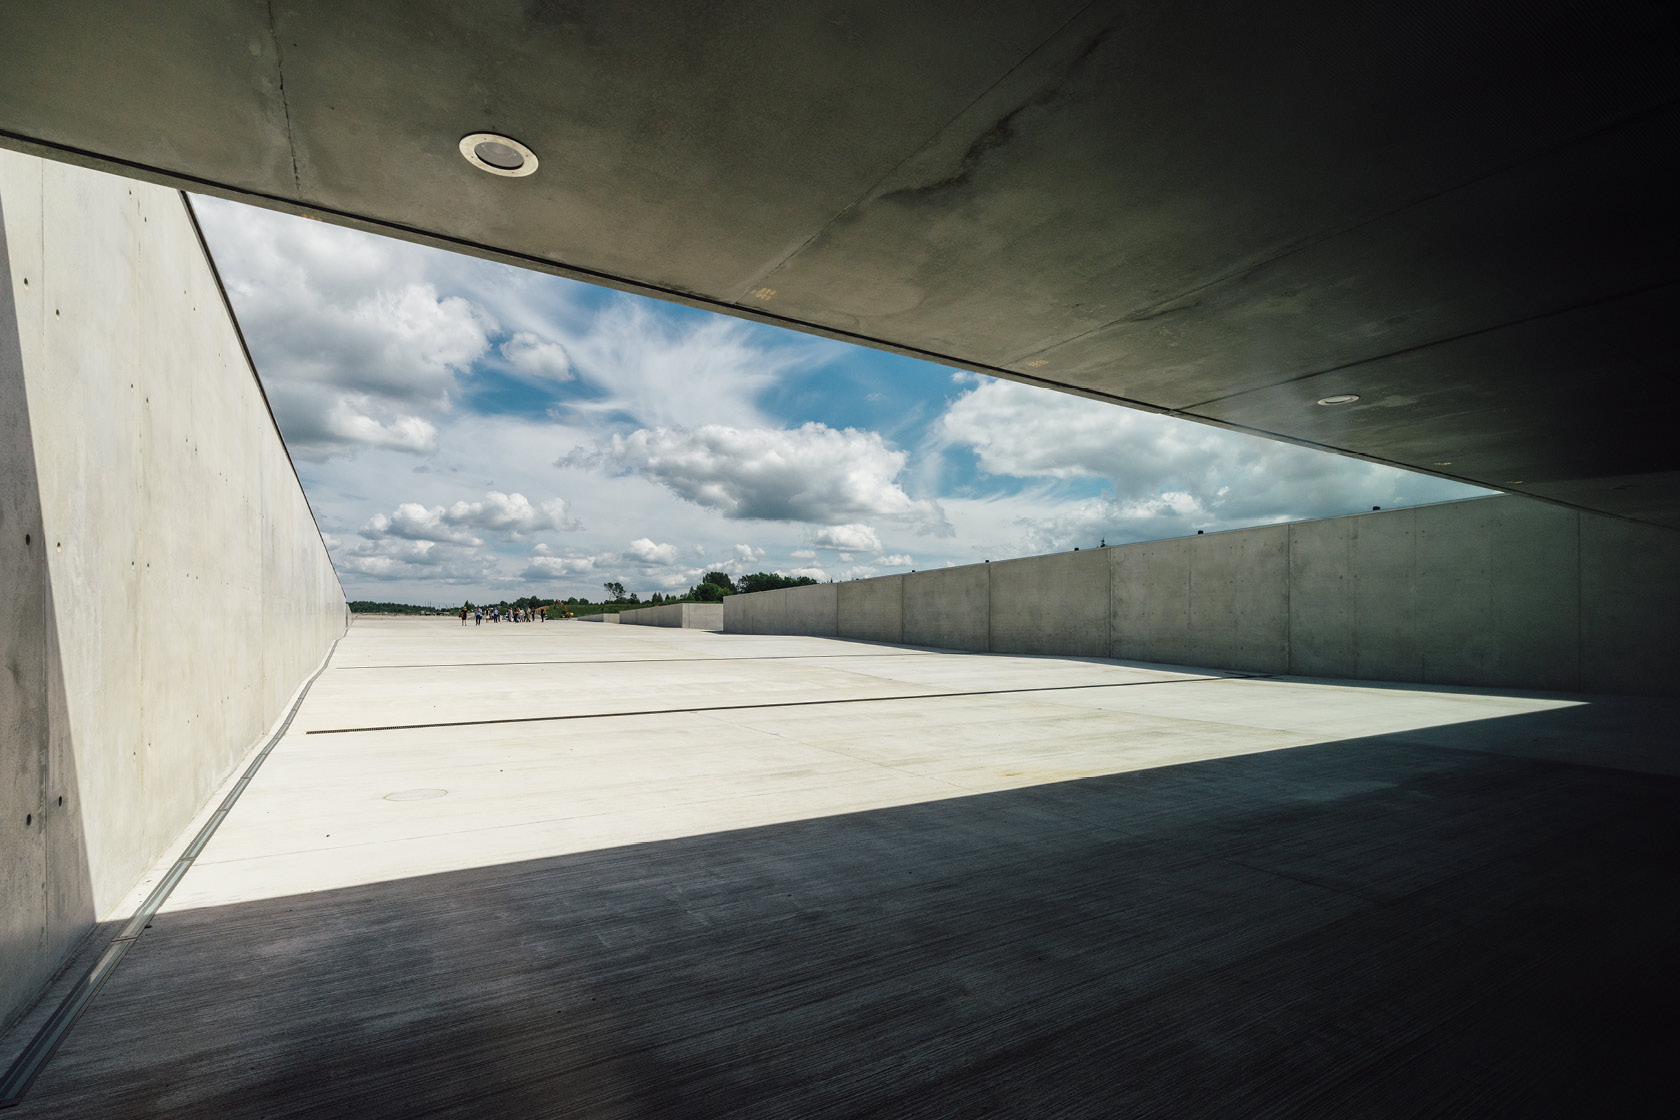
[610, 871]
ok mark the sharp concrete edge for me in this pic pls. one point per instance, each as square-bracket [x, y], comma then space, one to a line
[41, 1048]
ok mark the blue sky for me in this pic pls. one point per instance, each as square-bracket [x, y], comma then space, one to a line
[472, 430]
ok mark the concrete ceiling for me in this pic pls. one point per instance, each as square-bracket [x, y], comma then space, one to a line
[1464, 213]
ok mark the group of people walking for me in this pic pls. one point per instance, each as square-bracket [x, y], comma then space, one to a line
[496, 614]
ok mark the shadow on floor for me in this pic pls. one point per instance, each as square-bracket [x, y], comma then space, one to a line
[1374, 927]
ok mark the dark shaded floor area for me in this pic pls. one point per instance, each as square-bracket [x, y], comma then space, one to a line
[1373, 927]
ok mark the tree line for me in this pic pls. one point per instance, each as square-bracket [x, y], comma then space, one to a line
[712, 588]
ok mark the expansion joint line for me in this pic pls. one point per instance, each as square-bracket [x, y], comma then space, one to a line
[780, 704]
[35, 1056]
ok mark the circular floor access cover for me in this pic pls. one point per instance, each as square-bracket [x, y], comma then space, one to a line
[415, 794]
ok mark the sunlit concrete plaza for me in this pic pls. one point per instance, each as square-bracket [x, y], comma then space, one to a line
[1194, 520]
[581, 870]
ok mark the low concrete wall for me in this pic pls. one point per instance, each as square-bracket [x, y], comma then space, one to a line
[603, 617]
[813, 609]
[165, 588]
[1498, 592]
[949, 609]
[689, 616]
[871, 609]
[1049, 604]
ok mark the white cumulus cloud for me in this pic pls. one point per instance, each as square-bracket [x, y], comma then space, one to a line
[556, 567]
[1167, 476]
[813, 473]
[356, 345]
[847, 538]
[644, 551]
[536, 356]
[395, 559]
[668, 369]
[349, 419]
[498, 512]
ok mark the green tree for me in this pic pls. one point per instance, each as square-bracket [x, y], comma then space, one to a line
[770, 581]
[706, 593]
[616, 590]
[720, 579]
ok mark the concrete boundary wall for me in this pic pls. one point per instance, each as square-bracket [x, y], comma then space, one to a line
[689, 616]
[1500, 592]
[165, 588]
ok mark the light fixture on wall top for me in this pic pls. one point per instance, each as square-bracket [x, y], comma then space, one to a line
[498, 154]
[1339, 398]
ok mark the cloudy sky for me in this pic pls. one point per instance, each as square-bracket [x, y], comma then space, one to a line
[472, 430]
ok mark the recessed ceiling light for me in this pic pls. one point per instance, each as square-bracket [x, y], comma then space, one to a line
[497, 154]
[1339, 398]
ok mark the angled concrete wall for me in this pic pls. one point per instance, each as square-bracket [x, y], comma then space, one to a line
[1499, 592]
[165, 589]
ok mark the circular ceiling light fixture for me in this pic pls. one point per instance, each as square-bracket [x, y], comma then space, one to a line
[1339, 398]
[498, 154]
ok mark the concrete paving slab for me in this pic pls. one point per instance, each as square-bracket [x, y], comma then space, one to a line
[858, 903]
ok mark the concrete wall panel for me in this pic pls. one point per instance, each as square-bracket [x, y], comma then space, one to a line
[773, 613]
[694, 616]
[201, 559]
[741, 613]
[872, 609]
[1239, 600]
[764, 612]
[1478, 592]
[1385, 569]
[1051, 604]
[180, 589]
[702, 616]
[1149, 597]
[1630, 607]
[1453, 600]
[90, 466]
[1322, 633]
[948, 608]
[1532, 635]
[31, 773]
[813, 610]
